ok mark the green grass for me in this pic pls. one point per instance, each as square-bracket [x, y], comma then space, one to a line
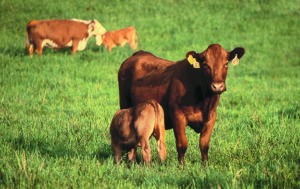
[55, 111]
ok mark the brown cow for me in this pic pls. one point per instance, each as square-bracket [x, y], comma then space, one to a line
[188, 90]
[58, 34]
[134, 126]
[120, 37]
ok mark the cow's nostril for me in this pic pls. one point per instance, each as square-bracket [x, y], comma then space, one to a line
[217, 87]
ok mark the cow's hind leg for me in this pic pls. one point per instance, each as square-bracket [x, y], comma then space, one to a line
[124, 94]
[30, 49]
[39, 47]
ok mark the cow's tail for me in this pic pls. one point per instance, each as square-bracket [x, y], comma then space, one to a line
[27, 40]
[29, 45]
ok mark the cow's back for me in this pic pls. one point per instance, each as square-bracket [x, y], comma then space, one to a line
[143, 77]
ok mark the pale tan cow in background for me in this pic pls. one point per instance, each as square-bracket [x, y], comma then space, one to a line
[120, 37]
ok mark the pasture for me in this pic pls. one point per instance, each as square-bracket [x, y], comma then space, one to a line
[55, 110]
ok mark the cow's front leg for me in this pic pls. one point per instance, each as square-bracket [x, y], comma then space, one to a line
[179, 124]
[74, 46]
[205, 136]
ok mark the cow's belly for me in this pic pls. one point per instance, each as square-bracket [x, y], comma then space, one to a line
[51, 44]
[81, 44]
[142, 94]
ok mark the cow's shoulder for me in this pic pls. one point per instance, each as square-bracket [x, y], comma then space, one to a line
[140, 52]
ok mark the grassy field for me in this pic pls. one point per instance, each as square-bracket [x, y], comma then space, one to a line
[55, 111]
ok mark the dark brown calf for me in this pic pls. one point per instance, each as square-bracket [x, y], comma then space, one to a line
[58, 34]
[188, 90]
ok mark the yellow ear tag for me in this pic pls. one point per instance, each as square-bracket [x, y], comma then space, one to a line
[193, 61]
[235, 61]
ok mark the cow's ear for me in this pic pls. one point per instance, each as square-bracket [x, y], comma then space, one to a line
[236, 54]
[193, 53]
[191, 57]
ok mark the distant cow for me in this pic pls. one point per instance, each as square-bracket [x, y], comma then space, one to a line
[134, 126]
[120, 37]
[58, 34]
[188, 90]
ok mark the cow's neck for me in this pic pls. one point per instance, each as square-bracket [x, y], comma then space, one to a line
[207, 100]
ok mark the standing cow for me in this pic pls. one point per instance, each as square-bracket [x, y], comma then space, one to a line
[58, 34]
[188, 90]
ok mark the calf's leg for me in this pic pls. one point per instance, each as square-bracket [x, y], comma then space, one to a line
[132, 155]
[146, 150]
[117, 153]
[159, 134]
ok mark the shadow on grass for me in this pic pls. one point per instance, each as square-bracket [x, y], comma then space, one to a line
[57, 149]
[104, 152]
[42, 146]
[21, 51]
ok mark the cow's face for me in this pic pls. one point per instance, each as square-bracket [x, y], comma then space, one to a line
[98, 31]
[213, 62]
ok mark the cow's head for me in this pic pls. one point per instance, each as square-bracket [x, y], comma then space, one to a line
[213, 63]
[97, 30]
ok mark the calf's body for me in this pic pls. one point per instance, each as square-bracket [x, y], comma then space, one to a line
[133, 127]
[120, 37]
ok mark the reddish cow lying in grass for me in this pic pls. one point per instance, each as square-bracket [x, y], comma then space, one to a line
[133, 127]
[58, 34]
[120, 37]
[188, 90]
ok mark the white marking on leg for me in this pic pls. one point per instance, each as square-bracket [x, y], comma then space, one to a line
[82, 44]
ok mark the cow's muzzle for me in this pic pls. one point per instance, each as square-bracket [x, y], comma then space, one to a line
[218, 87]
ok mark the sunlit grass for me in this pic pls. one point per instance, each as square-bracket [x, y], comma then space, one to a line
[55, 111]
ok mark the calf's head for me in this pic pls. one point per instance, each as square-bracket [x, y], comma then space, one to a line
[213, 63]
